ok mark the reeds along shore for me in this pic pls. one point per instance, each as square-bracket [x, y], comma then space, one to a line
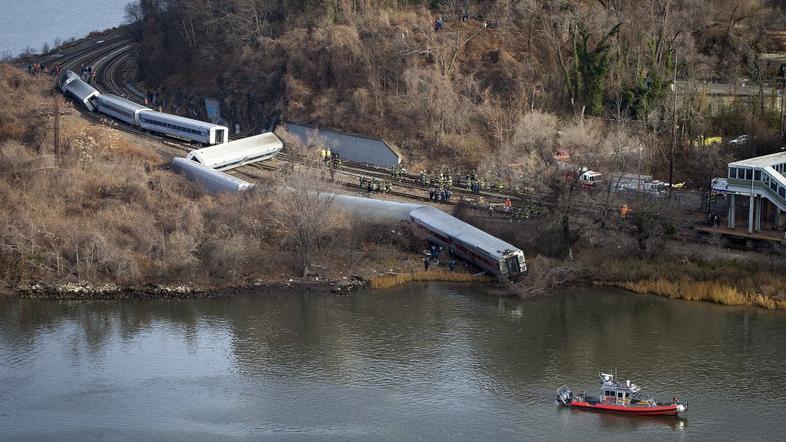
[691, 290]
[396, 279]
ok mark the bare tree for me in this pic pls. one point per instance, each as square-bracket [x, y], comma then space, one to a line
[305, 212]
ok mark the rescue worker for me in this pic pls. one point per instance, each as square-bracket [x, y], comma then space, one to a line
[624, 210]
[425, 264]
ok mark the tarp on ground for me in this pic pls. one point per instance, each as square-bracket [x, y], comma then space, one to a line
[350, 147]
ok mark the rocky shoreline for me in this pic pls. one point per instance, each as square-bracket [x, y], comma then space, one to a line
[70, 291]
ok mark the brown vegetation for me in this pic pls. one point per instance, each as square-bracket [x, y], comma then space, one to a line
[690, 290]
[460, 95]
[396, 279]
[95, 214]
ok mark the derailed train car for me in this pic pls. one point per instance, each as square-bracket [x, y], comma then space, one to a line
[470, 243]
[239, 152]
[73, 86]
[140, 116]
[120, 108]
[185, 128]
[212, 180]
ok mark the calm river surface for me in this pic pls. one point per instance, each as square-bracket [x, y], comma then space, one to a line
[422, 362]
[31, 23]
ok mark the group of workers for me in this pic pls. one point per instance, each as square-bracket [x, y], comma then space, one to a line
[439, 22]
[444, 178]
[434, 252]
[88, 74]
[440, 195]
[153, 97]
[375, 185]
[38, 68]
[469, 181]
[397, 171]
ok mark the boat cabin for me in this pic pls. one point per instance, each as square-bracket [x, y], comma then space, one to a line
[618, 395]
[616, 392]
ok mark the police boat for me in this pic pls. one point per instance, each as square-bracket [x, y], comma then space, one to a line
[620, 397]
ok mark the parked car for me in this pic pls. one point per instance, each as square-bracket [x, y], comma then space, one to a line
[741, 140]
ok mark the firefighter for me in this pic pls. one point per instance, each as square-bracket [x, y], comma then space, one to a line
[624, 211]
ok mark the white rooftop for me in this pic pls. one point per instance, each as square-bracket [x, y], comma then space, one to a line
[764, 161]
[238, 152]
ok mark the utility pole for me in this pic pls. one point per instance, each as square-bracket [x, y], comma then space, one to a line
[780, 88]
[673, 129]
[56, 130]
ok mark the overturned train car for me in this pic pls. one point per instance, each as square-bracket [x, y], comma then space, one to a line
[212, 180]
[470, 243]
[73, 86]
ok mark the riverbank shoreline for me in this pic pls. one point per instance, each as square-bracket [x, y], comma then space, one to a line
[702, 291]
[108, 292]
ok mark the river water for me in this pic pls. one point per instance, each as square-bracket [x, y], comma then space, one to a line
[421, 362]
[31, 23]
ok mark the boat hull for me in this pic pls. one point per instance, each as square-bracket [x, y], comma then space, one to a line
[636, 410]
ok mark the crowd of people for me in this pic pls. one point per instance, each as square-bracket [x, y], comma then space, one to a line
[38, 68]
[375, 185]
[433, 254]
[439, 22]
[440, 195]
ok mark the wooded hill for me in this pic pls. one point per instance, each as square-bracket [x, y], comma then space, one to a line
[457, 93]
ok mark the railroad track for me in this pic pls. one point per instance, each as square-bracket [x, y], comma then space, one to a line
[111, 63]
[110, 58]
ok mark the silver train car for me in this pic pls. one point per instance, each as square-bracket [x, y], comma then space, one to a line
[469, 243]
[120, 108]
[239, 152]
[211, 180]
[73, 86]
[184, 128]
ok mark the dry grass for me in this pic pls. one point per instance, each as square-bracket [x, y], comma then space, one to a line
[691, 290]
[393, 280]
[99, 213]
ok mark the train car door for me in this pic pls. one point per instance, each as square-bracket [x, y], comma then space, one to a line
[512, 264]
[220, 136]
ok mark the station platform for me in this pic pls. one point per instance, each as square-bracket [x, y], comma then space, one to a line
[742, 233]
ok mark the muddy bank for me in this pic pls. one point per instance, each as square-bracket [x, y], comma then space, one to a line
[112, 292]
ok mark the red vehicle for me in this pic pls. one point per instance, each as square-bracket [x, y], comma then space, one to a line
[622, 398]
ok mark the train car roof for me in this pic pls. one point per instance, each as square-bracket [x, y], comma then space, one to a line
[213, 180]
[80, 89]
[181, 120]
[68, 77]
[120, 101]
[454, 227]
[238, 150]
[374, 209]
